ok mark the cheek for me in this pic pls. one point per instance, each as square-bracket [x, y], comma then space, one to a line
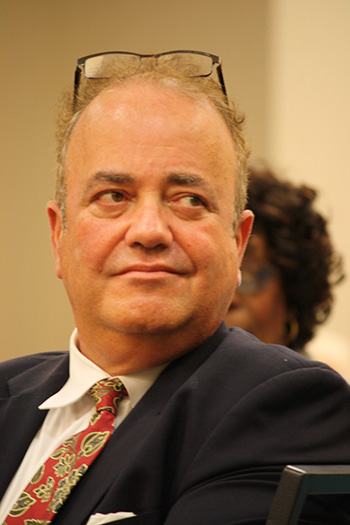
[87, 244]
[268, 306]
[261, 307]
[217, 261]
[213, 249]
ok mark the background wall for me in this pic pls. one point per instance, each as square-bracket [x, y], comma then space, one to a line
[285, 61]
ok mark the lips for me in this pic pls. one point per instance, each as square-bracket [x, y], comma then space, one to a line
[149, 268]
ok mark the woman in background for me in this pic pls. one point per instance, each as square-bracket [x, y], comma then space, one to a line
[289, 269]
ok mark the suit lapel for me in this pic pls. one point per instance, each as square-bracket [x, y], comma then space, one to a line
[20, 418]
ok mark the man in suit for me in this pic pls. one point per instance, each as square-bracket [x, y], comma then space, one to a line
[148, 232]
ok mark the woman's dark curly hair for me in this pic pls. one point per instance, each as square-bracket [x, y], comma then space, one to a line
[300, 248]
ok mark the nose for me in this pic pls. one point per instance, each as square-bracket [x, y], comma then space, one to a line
[149, 227]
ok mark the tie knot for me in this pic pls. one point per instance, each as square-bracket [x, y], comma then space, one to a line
[106, 394]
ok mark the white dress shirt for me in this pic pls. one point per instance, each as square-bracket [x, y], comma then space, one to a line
[70, 410]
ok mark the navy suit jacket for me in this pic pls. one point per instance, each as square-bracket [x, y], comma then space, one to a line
[206, 444]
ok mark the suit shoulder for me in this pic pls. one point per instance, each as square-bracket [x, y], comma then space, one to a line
[245, 352]
[245, 342]
[17, 365]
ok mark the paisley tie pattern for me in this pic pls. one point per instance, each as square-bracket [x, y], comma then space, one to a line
[50, 487]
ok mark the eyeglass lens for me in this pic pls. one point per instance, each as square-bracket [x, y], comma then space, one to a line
[193, 64]
[254, 281]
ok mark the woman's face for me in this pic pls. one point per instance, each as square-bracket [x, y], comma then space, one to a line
[259, 305]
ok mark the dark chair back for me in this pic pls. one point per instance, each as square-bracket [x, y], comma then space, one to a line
[299, 481]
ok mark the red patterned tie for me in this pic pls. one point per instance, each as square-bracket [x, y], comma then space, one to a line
[52, 484]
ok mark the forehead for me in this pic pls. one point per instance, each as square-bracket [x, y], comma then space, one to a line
[147, 116]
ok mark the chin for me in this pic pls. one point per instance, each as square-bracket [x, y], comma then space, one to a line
[136, 322]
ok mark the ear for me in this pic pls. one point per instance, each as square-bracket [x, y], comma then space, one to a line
[243, 229]
[56, 225]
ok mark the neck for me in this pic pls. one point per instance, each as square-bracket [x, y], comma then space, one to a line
[120, 353]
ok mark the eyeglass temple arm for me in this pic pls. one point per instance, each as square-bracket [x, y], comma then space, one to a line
[221, 79]
[77, 75]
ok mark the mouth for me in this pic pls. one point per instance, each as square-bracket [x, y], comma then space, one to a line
[149, 270]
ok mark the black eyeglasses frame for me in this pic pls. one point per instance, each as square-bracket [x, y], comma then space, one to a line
[216, 61]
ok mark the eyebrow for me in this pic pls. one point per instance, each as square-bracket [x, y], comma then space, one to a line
[184, 179]
[104, 176]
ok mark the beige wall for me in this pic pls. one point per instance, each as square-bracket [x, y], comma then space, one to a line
[309, 115]
[295, 98]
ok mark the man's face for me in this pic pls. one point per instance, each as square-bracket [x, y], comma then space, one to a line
[149, 247]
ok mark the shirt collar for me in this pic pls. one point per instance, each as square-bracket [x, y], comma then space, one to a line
[83, 373]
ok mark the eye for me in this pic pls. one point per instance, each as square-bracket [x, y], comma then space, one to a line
[189, 206]
[109, 203]
[193, 201]
[110, 197]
